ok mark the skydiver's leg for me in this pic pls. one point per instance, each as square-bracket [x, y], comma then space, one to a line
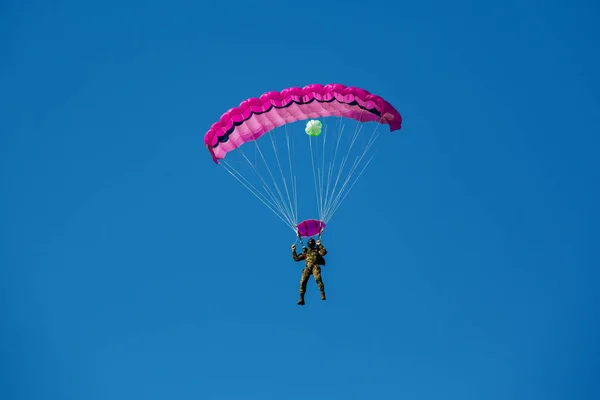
[317, 274]
[303, 282]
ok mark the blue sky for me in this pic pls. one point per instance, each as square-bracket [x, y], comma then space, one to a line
[460, 267]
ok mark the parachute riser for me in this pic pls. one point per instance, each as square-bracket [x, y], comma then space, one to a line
[302, 242]
[300, 238]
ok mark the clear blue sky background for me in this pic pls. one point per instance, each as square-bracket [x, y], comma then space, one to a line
[129, 270]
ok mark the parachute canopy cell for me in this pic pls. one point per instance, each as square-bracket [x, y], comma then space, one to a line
[256, 116]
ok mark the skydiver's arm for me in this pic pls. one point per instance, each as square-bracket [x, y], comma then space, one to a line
[322, 250]
[297, 257]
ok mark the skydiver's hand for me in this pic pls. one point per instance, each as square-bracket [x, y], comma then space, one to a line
[294, 246]
[319, 242]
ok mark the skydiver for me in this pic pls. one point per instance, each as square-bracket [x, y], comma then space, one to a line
[314, 259]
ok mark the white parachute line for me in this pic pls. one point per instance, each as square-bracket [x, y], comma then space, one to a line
[288, 212]
[255, 192]
[284, 205]
[332, 163]
[266, 186]
[268, 190]
[357, 162]
[293, 153]
[335, 196]
[345, 158]
[293, 182]
[332, 211]
[314, 174]
[322, 175]
[335, 201]
[280, 202]
[276, 151]
[318, 188]
[365, 150]
[248, 185]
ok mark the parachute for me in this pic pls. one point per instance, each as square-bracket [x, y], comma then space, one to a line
[313, 127]
[255, 118]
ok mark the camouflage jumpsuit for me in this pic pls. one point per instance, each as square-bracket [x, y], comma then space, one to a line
[314, 260]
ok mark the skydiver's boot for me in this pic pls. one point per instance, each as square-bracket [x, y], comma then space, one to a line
[323, 295]
[301, 301]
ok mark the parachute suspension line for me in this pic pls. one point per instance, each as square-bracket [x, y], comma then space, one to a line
[315, 176]
[293, 181]
[322, 174]
[283, 205]
[338, 203]
[332, 163]
[338, 200]
[345, 159]
[278, 205]
[265, 186]
[321, 170]
[293, 155]
[335, 204]
[352, 169]
[301, 241]
[331, 188]
[252, 189]
[292, 178]
[276, 151]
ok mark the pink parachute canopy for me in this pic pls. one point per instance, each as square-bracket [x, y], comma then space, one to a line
[310, 227]
[255, 117]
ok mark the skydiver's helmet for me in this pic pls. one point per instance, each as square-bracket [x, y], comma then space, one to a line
[311, 243]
